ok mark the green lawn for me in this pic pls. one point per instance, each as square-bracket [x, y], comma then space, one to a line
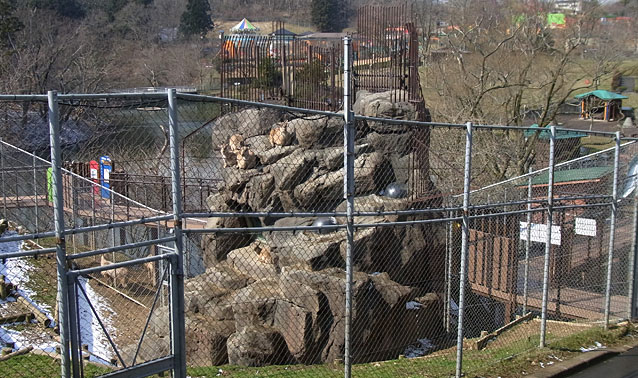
[507, 361]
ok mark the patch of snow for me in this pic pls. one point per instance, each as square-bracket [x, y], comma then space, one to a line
[420, 348]
[91, 332]
[596, 346]
[16, 271]
[413, 305]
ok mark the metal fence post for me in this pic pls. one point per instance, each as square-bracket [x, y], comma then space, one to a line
[4, 190]
[64, 317]
[528, 242]
[548, 234]
[35, 194]
[178, 339]
[612, 228]
[348, 193]
[464, 246]
[448, 274]
[633, 254]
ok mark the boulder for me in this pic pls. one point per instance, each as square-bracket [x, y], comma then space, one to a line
[292, 169]
[383, 105]
[307, 131]
[254, 305]
[319, 251]
[258, 144]
[258, 346]
[253, 262]
[206, 340]
[257, 193]
[274, 154]
[235, 179]
[321, 192]
[208, 293]
[248, 123]
[397, 143]
[215, 246]
[222, 201]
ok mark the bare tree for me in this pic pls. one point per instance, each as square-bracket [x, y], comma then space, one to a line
[501, 65]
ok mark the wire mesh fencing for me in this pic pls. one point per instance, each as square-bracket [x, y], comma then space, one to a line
[220, 236]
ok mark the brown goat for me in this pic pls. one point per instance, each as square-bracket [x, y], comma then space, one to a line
[118, 275]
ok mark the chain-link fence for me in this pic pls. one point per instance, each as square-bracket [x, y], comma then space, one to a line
[208, 236]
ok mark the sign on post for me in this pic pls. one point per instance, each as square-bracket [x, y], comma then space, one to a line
[93, 169]
[105, 169]
[538, 233]
[585, 226]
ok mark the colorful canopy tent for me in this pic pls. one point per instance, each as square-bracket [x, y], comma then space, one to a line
[593, 103]
[244, 26]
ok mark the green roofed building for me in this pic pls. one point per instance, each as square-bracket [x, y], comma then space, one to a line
[575, 176]
[569, 182]
[556, 20]
[601, 104]
[545, 133]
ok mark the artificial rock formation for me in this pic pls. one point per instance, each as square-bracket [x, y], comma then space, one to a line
[279, 297]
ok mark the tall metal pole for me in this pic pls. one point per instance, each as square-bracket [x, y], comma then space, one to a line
[178, 339]
[348, 193]
[4, 190]
[448, 274]
[528, 240]
[633, 254]
[35, 194]
[612, 228]
[548, 240]
[58, 214]
[464, 238]
[112, 197]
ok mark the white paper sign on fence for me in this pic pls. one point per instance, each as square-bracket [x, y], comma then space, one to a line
[585, 226]
[538, 233]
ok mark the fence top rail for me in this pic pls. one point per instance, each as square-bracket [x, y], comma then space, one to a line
[204, 98]
[84, 96]
[400, 122]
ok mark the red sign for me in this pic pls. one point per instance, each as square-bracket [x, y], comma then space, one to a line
[94, 167]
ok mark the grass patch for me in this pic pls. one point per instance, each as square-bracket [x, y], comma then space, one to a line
[506, 361]
[597, 143]
[35, 365]
[585, 338]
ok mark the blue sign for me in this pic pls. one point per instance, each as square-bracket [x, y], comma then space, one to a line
[105, 173]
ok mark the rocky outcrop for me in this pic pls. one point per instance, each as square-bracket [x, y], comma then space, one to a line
[279, 297]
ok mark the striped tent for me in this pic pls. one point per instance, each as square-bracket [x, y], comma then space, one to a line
[244, 26]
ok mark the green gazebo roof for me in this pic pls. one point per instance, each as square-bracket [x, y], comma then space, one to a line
[603, 95]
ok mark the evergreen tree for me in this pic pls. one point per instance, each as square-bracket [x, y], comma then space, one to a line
[66, 8]
[114, 6]
[9, 23]
[328, 15]
[196, 19]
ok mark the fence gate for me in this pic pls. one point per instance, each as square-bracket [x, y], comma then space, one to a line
[121, 312]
